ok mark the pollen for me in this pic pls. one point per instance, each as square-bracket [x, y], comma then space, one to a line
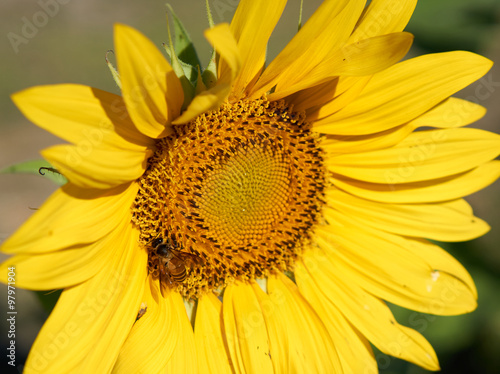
[235, 193]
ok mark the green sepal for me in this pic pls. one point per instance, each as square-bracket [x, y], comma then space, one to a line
[38, 167]
[178, 67]
[209, 14]
[184, 47]
[112, 69]
[200, 86]
[300, 14]
[186, 73]
[210, 73]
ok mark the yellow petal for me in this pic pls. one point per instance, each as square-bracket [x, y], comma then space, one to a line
[365, 57]
[335, 145]
[439, 259]
[160, 328]
[383, 17]
[212, 355]
[393, 268]
[405, 91]
[66, 267]
[369, 314]
[245, 330]
[72, 217]
[82, 115]
[450, 113]
[223, 41]
[293, 328]
[184, 358]
[354, 350]
[97, 167]
[151, 90]
[325, 32]
[91, 321]
[98, 125]
[451, 221]
[329, 97]
[251, 31]
[422, 156]
[435, 190]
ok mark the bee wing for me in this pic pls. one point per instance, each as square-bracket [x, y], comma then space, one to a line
[188, 258]
[162, 289]
[164, 280]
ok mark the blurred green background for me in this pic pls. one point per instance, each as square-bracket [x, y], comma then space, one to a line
[68, 45]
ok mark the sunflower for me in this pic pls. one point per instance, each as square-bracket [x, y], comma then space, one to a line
[259, 219]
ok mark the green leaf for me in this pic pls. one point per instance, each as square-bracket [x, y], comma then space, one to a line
[48, 299]
[184, 47]
[448, 25]
[38, 167]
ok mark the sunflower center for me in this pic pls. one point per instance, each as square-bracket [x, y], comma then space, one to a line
[230, 195]
[246, 194]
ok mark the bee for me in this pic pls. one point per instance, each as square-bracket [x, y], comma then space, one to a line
[172, 261]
